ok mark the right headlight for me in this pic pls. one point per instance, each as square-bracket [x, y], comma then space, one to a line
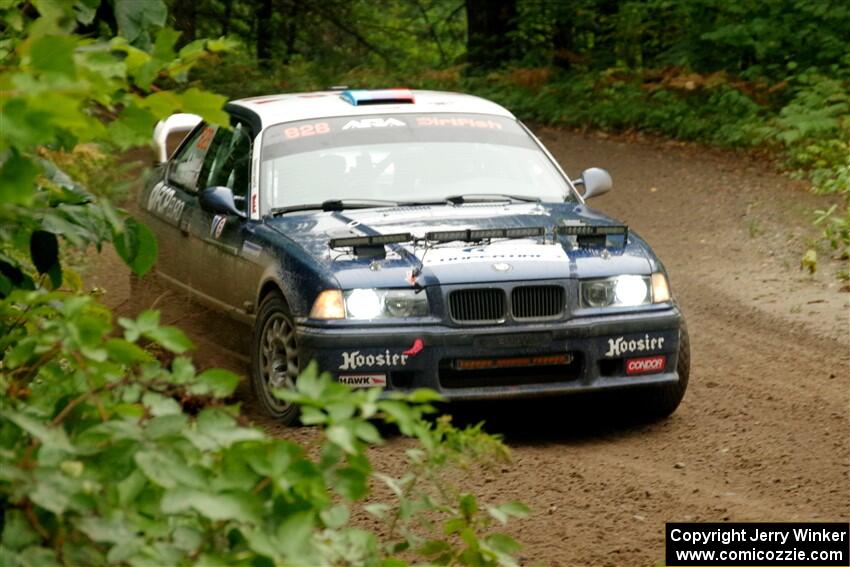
[625, 291]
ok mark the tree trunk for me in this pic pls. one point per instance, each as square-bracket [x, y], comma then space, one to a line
[185, 17]
[228, 13]
[491, 26]
[290, 31]
[264, 33]
[607, 40]
[563, 36]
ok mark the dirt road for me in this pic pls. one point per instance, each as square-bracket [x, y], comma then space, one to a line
[763, 432]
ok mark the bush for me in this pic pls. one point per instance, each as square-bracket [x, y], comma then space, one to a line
[114, 450]
[109, 457]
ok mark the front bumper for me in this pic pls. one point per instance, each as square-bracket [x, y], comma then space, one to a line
[598, 347]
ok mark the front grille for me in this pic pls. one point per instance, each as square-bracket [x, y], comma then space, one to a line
[537, 302]
[477, 305]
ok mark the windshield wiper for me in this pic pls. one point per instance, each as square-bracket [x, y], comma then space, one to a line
[334, 205]
[489, 198]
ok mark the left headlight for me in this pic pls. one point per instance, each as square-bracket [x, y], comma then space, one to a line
[370, 304]
[625, 291]
[383, 303]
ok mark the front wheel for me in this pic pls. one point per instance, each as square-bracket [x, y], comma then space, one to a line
[660, 401]
[274, 357]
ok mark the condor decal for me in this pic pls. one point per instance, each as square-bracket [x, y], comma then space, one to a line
[363, 380]
[646, 365]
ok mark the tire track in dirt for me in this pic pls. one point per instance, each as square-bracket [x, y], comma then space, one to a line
[763, 431]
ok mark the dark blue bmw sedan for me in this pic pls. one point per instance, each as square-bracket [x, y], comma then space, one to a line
[407, 239]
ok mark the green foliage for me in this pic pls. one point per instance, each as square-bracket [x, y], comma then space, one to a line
[66, 100]
[114, 450]
[103, 461]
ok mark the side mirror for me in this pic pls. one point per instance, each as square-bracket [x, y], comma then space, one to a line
[596, 181]
[219, 201]
[168, 134]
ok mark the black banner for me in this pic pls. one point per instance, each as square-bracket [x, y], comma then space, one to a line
[758, 544]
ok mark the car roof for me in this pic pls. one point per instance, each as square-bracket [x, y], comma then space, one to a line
[264, 111]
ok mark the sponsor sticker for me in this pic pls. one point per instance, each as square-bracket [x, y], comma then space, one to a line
[373, 123]
[217, 226]
[501, 254]
[363, 380]
[622, 346]
[457, 122]
[163, 201]
[646, 365]
[205, 138]
[306, 130]
[356, 359]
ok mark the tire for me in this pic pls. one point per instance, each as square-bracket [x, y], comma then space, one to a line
[274, 357]
[661, 401]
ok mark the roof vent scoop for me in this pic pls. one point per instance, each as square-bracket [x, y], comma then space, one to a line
[378, 96]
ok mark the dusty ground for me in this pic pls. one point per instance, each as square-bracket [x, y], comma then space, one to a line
[763, 431]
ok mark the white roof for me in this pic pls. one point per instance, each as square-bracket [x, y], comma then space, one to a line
[275, 109]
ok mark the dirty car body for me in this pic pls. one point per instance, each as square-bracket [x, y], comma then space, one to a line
[412, 239]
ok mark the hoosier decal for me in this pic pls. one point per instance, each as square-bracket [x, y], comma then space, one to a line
[354, 360]
[620, 346]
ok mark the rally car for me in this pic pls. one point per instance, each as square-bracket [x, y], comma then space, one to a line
[407, 239]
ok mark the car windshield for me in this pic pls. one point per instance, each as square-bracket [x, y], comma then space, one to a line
[404, 158]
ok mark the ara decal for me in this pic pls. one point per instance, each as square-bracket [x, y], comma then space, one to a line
[373, 123]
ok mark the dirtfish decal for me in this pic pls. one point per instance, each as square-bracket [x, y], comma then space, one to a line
[355, 360]
[621, 346]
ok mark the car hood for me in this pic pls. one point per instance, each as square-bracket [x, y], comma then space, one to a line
[458, 262]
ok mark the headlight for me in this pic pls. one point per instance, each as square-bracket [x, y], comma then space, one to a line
[625, 291]
[363, 304]
[370, 304]
[381, 303]
[405, 303]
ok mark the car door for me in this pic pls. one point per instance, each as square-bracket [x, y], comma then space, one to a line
[224, 274]
[168, 205]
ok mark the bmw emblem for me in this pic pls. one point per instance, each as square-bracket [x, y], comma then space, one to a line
[502, 267]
